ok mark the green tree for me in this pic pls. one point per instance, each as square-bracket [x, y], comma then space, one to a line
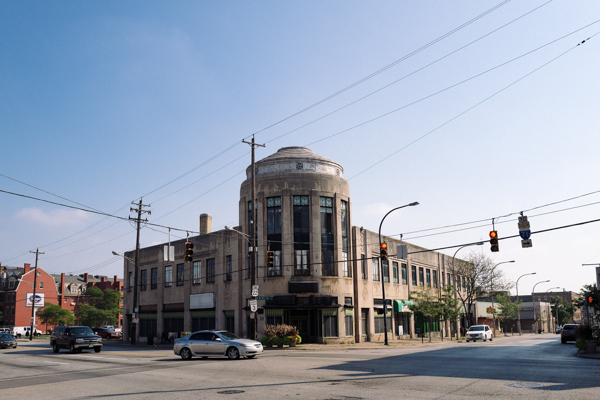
[562, 310]
[450, 308]
[426, 304]
[585, 291]
[509, 310]
[103, 310]
[53, 314]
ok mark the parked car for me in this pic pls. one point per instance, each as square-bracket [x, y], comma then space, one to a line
[558, 330]
[216, 344]
[4, 330]
[7, 340]
[107, 333]
[479, 332]
[19, 331]
[569, 332]
[75, 339]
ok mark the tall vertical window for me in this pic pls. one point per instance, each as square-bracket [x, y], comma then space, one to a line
[330, 323]
[228, 269]
[404, 274]
[443, 278]
[144, 280]
[180, 269]
[375, 262]
[274, 234]
[413, 271]
[428, 275]
[327, 265]
[349, 322]
[363, 266]
[197, 273]
[345, 245]
[386, 271]
[153, 278]
[210, 270]
[395, 271]
[421, 277]
[168, 276]
[251, 257]
[435, 279]
[458, 280]
[301, 235]
[130, 280]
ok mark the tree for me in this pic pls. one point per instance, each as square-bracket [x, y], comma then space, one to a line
[509, 310]
[479, 277]
[562, 310]
[449, 305]
[103, 310]
[426, 304]
[588, 290]
[53, 314]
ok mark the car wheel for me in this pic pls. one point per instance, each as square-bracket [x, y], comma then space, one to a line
[97, 349]
[72, 349]
[233, 353]
[491, 338]
[55, 348]
[251, 356]
[186, 354]
[563, 341]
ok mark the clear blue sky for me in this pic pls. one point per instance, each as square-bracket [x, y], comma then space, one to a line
[104, 102]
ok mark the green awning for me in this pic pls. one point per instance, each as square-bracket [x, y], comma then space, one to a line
[400, 305]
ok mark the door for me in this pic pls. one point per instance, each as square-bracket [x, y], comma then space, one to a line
[198, 343]
[215, 345]
[364, 324]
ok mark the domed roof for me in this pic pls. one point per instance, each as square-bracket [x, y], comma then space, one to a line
[296, 159]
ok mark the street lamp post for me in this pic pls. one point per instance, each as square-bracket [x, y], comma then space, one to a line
[492, 293]
[385, 333]
[519, 308]
[533, 302]
[454, 272]
[557, 287]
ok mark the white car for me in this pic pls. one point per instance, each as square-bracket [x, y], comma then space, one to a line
[479, 332]
[216, 344]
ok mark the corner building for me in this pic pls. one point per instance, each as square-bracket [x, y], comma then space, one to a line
[320, 280]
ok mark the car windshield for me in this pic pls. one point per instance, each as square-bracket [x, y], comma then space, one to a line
[81, 331]
[228, 335]
[5, 336]
[476, 328]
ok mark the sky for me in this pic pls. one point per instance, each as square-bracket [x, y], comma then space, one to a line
[478, 110]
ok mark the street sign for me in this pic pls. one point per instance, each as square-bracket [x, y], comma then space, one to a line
[253, 305]
[526, 243]
[402, 252]
[524, 232]
[264, 298]
[254, 290]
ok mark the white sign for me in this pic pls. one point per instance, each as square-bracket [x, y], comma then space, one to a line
[253, 305]
[39, 300]
[254, 290]
[169, 253]
[202, 300]
[135, 320]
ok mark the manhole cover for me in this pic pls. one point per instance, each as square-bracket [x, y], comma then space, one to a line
[524, 384]
[230, 392]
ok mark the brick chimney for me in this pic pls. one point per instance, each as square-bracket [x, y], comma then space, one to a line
[205, 224]
[27, 268]
[115, 280]
[85, 277]
[102, 279]
[62, 283]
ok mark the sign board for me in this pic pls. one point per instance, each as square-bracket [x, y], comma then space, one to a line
[169, 253]
[135, 320]
[253, 305]
[526, 243]
[402, 251]
[524, 232]
[202, 300]
[38, 302]
[254, 290]
[264, 298]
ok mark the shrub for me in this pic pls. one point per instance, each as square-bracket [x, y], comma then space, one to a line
[585, 332]
[580, 344]
[270, 331]
[265, 340]
[286, 340]
[277, 341]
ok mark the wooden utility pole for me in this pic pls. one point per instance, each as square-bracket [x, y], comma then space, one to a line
[135, 312]
[37, 253]
[253, 232]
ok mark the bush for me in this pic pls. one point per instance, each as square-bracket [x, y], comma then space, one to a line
[277, 341]
[585, 332]
[286, 340]
[266, 341]
[580, 344]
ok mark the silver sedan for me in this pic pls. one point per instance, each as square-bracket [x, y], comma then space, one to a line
[216, 344]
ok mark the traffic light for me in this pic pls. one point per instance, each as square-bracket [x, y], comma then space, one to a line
[591, 300]
[494, 241]
[270, 255]
[189, 251]
[383, 251]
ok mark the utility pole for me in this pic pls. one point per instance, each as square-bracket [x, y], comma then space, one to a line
[253, 232]
[138, 220]
[37, 253]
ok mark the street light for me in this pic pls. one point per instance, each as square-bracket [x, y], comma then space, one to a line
[454, 272]
[533, 301]
[519, 308]
[133, 332]
[382, 276]
[492, 292]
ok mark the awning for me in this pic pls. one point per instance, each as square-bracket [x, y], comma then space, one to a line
[402, 305]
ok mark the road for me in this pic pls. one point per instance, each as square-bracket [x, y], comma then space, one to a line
[531, 367]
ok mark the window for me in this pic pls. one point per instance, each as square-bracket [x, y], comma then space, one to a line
[274, 234]
[404, 272]
[349, 322]
[443, 278]
[375, 262]
[379, 322]
[327, 265]
[434, 278]
[344, 220]
[168, 276]
[413, 271]
[395, 272]
[250, 233]
[428, 275]
[274, 317]
[458, 280]
[144, 279]
[41, 285]
[130, 281]
[210, 270]
[301, 219]
[229, 321]
[197, 273]
[153, 278]
[421, 277]
[228, 270]
[386, 271]
[330, 324]
[363, 266]
[180, 269]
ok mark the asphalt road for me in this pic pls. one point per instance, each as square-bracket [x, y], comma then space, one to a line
[528, 367]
